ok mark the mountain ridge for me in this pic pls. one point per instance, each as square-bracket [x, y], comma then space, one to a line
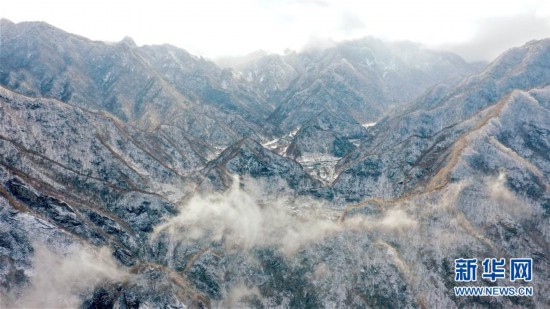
[228, 188]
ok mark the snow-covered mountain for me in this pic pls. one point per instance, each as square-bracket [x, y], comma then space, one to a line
[346, 177]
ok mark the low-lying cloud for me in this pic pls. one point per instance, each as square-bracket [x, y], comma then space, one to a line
[59, 281]
[237, 218]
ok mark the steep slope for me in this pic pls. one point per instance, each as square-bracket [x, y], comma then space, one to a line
[472, 161]
[313, 141]
[362, 79]
[148, 86]
[272, 74]
[82, 195]
[163, 85]
[139, 203]
[406, 150]
[249, 158]
[73, 181]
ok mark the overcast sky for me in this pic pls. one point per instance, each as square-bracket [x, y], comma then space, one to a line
[475, 29]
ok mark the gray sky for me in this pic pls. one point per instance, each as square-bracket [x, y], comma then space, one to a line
[476, 29]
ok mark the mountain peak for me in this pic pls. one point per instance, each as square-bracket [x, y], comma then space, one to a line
[5, 21]
[128, 41]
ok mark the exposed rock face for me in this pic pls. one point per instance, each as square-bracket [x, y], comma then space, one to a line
[119, 173]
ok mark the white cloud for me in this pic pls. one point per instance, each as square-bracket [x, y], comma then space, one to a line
[243, 219]
[59, 281]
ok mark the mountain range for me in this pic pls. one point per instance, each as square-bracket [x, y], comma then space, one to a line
[351, 176]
